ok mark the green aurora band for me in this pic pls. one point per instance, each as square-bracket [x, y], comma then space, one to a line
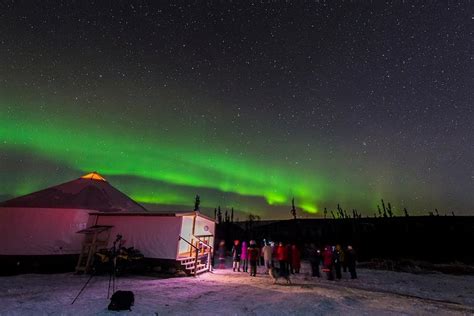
[85, 146]
[169, 168]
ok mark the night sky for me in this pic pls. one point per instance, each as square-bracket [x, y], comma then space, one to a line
[247, 104]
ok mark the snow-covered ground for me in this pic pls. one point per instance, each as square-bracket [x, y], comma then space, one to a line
[225, 292]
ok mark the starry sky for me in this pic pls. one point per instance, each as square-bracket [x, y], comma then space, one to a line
[247, 104]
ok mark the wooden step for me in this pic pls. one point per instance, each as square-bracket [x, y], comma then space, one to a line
[199, 270]
[189, 264]
[199, 266]
[202, 270]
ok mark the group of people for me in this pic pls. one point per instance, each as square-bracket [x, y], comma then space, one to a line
[246, 255]
[243, 256]
[332, 259]
[289, 258]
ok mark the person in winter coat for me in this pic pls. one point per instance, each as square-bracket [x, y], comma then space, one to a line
[274, 246]
[243, 257]
[254, 256]
[336, 255]
[236, 251]
[295, 259]
[261, 260]
[288, 258]
[267, 256]
[351, 261]
[342, 256]
[221, 254]
[328, 262]
[282, 257]
[315, 260]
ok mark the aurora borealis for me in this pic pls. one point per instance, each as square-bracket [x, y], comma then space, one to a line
[245, 105]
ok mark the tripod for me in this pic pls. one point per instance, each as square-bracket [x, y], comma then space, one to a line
[113, 261]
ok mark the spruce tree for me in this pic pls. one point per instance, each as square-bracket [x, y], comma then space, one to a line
[293, 209]
[197, 203]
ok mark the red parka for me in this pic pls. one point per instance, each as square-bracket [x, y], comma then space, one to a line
[281, 253]
[327, 257]
[295, 258]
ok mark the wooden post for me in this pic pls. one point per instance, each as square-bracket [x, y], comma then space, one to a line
[192, 235]
[196, 263]
[209, 261]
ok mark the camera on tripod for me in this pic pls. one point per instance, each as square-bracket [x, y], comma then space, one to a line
[110, 260]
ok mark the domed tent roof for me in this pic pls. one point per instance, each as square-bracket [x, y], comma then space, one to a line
[91, 191]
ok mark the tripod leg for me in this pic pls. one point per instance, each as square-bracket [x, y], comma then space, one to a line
[113, 275]
[110, 280]
[90, 278]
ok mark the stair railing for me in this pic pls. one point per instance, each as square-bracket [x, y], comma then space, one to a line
[209, 253]
[196, 256]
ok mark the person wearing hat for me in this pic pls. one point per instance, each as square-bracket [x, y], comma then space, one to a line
[281, 256]
[244, 258]
[295, 259]
[236, 251]
[314, 260]
[221, 253]
[267, 252]
[253, 255]
[328, 265]
[351, 261]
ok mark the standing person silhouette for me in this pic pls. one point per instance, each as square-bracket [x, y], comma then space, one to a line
[244, 257]
[254, 256]
[236, 251]
[351, 261]
[221, 254]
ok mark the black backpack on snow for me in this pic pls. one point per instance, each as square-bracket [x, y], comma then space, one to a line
[121, 300]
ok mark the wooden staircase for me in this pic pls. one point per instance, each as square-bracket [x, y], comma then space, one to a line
[198, 259]
[193, 267]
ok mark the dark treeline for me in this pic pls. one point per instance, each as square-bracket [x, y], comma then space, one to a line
[385, 211]
[437, 239]
[384, 235]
